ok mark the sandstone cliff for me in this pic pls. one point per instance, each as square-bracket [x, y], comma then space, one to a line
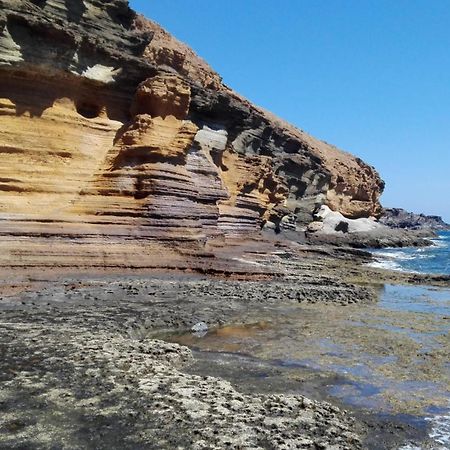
[119, 146]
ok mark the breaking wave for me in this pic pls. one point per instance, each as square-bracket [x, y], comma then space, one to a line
[434, 259]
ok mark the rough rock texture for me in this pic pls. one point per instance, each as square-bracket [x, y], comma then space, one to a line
[399, 218]
[87, 375]
[377, 238]
[112, 129]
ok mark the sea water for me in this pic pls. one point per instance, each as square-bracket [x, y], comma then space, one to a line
[434, 259]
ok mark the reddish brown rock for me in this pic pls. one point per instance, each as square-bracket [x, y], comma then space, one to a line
[162, 96]
[165, 50]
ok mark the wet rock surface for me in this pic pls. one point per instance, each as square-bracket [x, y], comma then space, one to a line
[123, 152]
[83, 364]
[81, 368]
[386, 237]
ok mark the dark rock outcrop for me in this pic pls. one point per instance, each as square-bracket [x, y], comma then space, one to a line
[389, 237]
[400, 218]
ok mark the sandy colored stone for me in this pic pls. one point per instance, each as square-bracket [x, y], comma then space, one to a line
[119, 145]
[162, 96]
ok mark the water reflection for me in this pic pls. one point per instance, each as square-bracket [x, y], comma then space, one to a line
[393, 356]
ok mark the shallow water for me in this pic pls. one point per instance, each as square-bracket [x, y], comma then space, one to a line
[389, 358]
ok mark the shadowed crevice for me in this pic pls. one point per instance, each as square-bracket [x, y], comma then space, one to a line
[75, 10]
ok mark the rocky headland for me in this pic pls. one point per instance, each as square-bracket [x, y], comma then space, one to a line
[142, 199]
[400, 218]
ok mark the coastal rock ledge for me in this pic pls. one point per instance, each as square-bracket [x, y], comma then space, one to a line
[119, 146]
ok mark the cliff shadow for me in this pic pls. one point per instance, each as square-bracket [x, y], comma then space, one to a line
[90, 100]
[75, 10]
[41, 42]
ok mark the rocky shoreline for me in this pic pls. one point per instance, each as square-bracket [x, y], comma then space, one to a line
[84, 366]
[400, 218]
[85, 353]
[134, 186]
[385, 238]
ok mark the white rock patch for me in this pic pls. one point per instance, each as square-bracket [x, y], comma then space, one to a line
[331, 220]
[101, 73]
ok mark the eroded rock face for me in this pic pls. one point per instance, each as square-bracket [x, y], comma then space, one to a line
[112, 129]
[162, 96]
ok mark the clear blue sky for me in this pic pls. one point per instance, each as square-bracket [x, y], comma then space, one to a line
[370, 76]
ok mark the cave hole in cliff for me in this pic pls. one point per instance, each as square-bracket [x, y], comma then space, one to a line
[297, 188]
[88, 110]
[140, 195]
[75, 10]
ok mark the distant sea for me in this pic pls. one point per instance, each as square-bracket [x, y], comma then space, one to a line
[434, 259]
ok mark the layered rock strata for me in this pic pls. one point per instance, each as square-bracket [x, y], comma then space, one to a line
[119, 145]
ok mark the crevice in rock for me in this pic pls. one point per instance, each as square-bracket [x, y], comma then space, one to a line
[75, 10]
[88, 110]
[137, 156]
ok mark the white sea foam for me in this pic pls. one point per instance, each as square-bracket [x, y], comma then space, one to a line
[395, 255]
[392, 259]
[439, 243]
[391, 263]
[386, 264]
[440, 431]
[388, 260]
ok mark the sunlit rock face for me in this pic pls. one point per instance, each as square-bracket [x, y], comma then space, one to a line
[119, 146]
